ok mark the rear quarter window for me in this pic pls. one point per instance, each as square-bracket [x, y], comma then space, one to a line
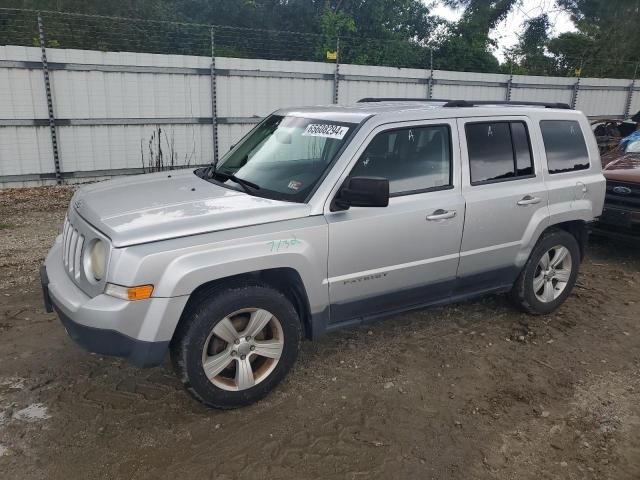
[565, 146]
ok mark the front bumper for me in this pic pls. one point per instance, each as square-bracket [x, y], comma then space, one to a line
[619, 221]
[139, 331]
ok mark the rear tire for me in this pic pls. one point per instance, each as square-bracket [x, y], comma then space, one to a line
[549, 275]
[235, 345]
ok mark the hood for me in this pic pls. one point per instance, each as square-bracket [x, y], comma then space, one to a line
[160, 206]
[621, 167]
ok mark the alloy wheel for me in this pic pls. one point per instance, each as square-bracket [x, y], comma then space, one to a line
[243, 349]
[552, 274]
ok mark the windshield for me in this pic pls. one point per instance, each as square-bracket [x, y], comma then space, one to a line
[633, 146]
[285, 156]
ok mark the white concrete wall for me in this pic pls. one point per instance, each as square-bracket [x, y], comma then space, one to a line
[96, 95]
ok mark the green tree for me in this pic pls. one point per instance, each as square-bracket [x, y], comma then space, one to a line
[387, 32]
[606, 43]
[569, 51]
[608, 36]
[381, 32]
[529, 56]
[467, 45]
[334, 24]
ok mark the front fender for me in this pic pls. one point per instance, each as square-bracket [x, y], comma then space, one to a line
[177, 267]
[186, 273]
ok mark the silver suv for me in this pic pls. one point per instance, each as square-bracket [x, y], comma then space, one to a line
[322, 218]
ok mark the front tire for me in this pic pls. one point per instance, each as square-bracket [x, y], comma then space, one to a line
[549, 275]
[235, 345]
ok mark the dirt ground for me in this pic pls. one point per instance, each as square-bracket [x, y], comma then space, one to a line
[473, 390]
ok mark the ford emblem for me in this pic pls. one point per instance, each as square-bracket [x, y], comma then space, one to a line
[622, 190]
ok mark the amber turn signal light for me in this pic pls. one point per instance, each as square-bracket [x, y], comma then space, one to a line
[141, 292]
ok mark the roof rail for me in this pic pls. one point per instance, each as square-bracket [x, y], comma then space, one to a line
[467, 103]
[473, 103]
[394, 99]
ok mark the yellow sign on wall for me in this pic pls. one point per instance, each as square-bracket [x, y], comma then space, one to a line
[332, 55]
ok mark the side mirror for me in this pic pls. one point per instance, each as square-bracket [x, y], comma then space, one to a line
[363, 192]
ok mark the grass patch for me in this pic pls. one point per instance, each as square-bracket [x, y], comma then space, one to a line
[5, 226]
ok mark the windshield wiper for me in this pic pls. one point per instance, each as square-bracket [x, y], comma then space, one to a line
[245, 184]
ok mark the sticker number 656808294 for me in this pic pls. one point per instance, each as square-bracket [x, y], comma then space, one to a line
[277, 245]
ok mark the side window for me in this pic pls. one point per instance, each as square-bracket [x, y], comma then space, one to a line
[521, 148]
[565, 146]
[498, 151]
[412, 159]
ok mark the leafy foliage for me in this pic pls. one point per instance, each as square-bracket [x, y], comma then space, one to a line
[468, 46]
[529, 55]
[606, 43]
[378, 32]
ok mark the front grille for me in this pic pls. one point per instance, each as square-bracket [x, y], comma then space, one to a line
[626, 196]
[73, 241]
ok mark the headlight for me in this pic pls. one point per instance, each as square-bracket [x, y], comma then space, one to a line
[96, 260]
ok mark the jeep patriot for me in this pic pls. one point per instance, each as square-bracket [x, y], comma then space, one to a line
[322, 218]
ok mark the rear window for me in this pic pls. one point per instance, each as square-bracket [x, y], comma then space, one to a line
[565, 146]
[498, 151]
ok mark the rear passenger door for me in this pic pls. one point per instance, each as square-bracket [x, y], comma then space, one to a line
[506, 198]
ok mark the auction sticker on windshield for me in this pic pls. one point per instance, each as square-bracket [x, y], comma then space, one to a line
[324, 130]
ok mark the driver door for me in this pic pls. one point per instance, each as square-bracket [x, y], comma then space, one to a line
[406, 254]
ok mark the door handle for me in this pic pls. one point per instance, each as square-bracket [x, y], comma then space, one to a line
[441, 215]
[528, 200]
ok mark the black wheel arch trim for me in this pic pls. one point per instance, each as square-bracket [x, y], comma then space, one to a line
[286, 280]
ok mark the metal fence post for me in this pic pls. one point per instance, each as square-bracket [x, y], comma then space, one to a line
[574, 96]
[47, 87]
[507, 95]
[632, 87]
[214, 97]
[576, 88]
[336, 75]
[430, 87]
